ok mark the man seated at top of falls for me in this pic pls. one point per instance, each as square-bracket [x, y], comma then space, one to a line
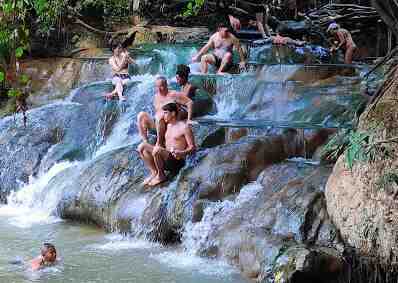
[119, 62]
[344, 41]
[163, 96]
[47, 257]
[179, 142]
[182, 76]
[223, 43]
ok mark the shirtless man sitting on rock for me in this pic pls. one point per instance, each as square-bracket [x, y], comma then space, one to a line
[163, 96]
[223, 43]
[179, 142]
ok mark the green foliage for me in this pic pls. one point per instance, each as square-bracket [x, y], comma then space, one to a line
[387, 180]
[2, 77]
[193, 8]
[357, 148]
[19, 52]
[14, 93]
[335, 146]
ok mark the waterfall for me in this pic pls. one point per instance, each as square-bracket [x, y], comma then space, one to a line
[32, 204]
[196, 238]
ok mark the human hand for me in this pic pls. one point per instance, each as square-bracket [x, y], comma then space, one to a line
[178, 154]
[157, 149]
[242, 65]
[195, 58]
[190, 122]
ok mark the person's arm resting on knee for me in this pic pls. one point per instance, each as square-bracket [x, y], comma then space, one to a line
[204, 49]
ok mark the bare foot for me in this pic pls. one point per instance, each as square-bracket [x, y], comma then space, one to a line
[149, 179]
[157, 180]
[221, 73]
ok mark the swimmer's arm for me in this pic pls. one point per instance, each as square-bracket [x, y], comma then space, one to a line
[188, 134]
[182, 99]
[36, 263]
[129, 59]
[341, 39]
[190, 89]
[205, 48]
[114, 65]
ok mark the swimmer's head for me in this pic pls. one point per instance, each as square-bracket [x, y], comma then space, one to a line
[161, 85]
[49, 253]
[223, 29]
[182, 74]
[170, 111]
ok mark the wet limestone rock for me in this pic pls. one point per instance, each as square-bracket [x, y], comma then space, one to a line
[62, 131]
[215, 174]
[284, 208]
[362, 201]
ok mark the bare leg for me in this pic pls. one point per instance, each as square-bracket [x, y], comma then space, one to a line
[205, 61]
[144, 123]
[348, 55]
[227, 59]
[161, 131]
[119, 90]
[145, 150]
[159, 158]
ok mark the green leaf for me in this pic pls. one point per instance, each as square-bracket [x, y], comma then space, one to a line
[2, 77]
[24, 79]
[19, 52]
[14, 92]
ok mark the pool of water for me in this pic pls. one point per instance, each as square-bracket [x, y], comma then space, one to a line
[87, 254]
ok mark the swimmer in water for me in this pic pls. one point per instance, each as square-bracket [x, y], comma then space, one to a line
[48, 257]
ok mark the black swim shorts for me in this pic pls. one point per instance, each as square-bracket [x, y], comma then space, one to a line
[173, 164]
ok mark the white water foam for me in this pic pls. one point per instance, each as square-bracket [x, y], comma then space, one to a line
[31, 205]
[196, 236]
[119, 136]
[117, 242]
[185, 261]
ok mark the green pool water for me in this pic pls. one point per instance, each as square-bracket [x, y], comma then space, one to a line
[87, 254]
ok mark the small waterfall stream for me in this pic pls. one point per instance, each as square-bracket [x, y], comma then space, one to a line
[268, 94]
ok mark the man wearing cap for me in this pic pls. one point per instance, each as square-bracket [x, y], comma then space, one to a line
[344, 40]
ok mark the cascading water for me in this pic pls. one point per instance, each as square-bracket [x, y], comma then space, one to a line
[31, 204]
[236, 98]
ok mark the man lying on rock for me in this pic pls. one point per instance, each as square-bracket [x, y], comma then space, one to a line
[163, 96]
[281, 39]
[223, 43]
[179, 142]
